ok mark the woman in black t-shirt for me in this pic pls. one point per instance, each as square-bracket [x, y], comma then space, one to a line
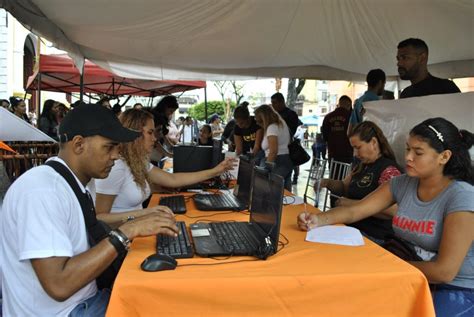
[248, 134]
[376, 166]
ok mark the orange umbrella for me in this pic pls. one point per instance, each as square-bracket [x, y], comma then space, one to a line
[3, 146]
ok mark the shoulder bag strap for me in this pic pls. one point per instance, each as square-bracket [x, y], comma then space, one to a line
[96, 230]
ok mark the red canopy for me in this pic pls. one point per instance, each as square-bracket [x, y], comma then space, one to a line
[58, 73]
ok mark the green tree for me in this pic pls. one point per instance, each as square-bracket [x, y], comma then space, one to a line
[214, 106]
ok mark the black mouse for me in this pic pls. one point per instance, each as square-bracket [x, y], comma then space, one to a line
[158, 262]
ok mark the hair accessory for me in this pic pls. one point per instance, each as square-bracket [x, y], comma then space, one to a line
[438, 134]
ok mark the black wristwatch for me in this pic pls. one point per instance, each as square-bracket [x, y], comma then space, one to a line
[119, 240]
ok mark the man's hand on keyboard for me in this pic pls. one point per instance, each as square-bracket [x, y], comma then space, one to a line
[151, 224]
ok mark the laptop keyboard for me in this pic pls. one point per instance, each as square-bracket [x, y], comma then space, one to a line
[179, 247]
[175, 203]
[220, 200]
[232, 238]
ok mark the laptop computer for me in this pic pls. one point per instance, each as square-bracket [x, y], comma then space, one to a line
[246, 238]
[191, 158]
[237, 200]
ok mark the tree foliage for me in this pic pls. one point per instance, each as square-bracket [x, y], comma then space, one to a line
[215, 106]
[232, 86]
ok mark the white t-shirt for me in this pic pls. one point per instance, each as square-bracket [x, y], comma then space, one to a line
[41, 218]
[283, 138]
[120, 183]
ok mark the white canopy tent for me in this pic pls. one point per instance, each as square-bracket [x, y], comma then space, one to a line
[207, 39]
[12, 128]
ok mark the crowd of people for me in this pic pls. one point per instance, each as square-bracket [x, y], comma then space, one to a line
[114, 157]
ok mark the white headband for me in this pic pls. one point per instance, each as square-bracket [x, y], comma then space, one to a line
[438, 134]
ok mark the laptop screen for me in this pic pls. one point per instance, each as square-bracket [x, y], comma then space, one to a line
[244, 179]
[191, 158]
[217, 155]
[265, 209]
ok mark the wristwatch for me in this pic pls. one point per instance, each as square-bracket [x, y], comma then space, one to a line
[119, 240]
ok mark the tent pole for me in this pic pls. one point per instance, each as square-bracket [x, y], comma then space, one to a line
[81, 88]
[126, 100]
[38, 108]
[205, 103]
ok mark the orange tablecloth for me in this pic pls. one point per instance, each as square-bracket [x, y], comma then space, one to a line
[303, 279]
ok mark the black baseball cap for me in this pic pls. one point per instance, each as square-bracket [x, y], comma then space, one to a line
[92, 119]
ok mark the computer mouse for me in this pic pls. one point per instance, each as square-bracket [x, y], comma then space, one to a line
[158, 262]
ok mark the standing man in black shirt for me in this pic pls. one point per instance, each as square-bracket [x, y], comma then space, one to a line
[291, 119]
[334, 131]
[412, 60]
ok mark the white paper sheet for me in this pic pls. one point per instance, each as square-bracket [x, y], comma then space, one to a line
[235, 171]
[341, 235]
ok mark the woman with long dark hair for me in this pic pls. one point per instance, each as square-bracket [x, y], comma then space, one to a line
[167, 106]
[435, 214]
[48, 122]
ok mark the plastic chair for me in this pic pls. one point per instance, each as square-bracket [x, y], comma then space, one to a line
[337, 170]
[316, 173]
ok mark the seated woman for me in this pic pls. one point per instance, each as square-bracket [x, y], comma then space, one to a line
[435, 212]
[248, 134]
[276, 137]
[205, 135]
[377, 165]
[120, 195]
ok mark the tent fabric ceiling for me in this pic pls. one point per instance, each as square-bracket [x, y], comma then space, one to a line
[207, 39]
[58, 73]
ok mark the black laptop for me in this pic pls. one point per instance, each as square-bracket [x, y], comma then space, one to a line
[246, 238]
[237, 200]
[192, 158]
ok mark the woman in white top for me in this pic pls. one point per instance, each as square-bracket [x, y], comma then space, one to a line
[120, 195]
[276, 138]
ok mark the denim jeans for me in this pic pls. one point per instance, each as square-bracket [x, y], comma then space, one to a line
[284, 167]
[94, 306]
[451, 301]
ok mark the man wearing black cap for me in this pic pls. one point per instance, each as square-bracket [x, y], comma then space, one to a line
[48, 264]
